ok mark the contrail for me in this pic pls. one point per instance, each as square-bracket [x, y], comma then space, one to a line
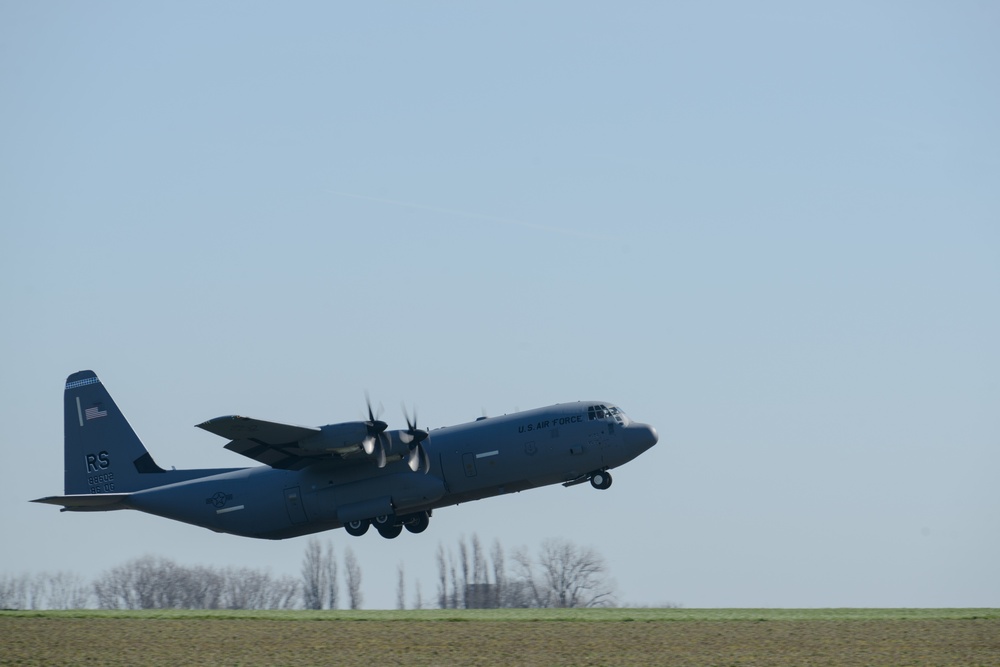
[478, 216]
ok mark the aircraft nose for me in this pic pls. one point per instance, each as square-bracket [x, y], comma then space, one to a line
[640, 437]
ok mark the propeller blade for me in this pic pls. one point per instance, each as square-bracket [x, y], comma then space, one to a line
[413, 437]
[386, 440]
[412, 433]
[418, 459]
[425, 460]
[374, 423]
[374, 444]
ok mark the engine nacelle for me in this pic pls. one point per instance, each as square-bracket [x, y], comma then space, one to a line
[336, 436]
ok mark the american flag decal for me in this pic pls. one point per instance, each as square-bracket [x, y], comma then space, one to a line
[95, 412]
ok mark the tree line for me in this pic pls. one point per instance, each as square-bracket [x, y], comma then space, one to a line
[559, 574]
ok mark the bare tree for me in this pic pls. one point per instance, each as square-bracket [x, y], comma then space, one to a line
[332, 585]
[400, 588]
[142, 583]
[284, 593]
[418, 602]
[499, 575]
[14, 591]
[198, 587]
[479, 564]
[158, 583]
[574, 576]
[463, 559]
[562, 574]
[109, 590]
[44, 590]
[454, 601]
[36, 591]
[247, 588]
[533, 594]
[313, 583]
[353, 573]
[442, 578]
[479, 593]
[320, 589]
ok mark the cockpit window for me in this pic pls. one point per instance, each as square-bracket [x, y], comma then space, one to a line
[606, 411]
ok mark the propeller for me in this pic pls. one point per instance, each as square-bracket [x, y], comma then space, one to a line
[375, 442]
[413, 437]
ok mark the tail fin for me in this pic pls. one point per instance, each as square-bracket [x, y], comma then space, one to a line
[102, 452]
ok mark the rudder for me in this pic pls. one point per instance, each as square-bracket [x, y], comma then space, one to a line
[102, 452]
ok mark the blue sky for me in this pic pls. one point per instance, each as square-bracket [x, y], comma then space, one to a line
[770, 230]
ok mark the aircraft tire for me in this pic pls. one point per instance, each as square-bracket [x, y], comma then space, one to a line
[419, 523]
[389, 532]
[357, 528]
[601, 480]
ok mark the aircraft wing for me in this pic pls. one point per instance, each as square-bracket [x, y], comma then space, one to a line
[283, 446]
[235, 427]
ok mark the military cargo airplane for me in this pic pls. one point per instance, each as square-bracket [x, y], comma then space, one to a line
[352, 474]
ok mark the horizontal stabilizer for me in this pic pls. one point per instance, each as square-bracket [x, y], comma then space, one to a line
[88, 502]
[235, 427]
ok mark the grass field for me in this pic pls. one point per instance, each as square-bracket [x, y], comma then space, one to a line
[693, 637]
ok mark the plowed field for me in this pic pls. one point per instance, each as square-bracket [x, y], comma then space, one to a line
[673, 637]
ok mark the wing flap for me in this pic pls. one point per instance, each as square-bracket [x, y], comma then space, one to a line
[284, 458]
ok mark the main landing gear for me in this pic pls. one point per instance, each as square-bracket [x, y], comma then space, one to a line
[390, 526]
[357, 528]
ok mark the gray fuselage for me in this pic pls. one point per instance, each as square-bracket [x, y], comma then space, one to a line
[565, 443]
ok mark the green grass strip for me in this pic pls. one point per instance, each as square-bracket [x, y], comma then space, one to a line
[616, 615]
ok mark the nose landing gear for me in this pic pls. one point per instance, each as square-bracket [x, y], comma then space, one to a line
[600, 480]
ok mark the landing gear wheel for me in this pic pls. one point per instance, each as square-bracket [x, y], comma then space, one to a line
[600, 480]
[387, 526]
[418, 522]
[391, 531]
[357, 528]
